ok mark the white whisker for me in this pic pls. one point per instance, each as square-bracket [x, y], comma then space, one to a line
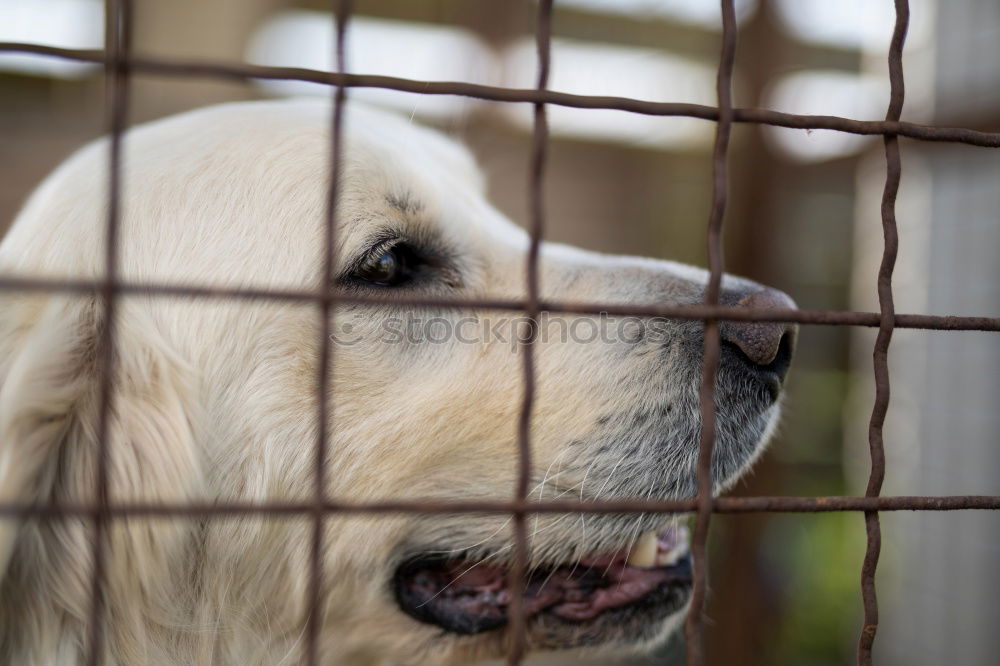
[456, 578]
[454, 551]
[541, 490]
[597, 495]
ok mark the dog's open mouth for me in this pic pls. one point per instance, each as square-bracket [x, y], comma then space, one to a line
[468, 596]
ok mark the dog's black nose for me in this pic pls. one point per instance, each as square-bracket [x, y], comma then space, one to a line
[766, 346]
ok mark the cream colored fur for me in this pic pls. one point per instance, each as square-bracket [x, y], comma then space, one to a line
[215, 401]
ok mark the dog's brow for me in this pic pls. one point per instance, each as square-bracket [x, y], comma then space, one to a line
[404, 202]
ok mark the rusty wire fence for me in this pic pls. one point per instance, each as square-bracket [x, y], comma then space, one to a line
[120, 65]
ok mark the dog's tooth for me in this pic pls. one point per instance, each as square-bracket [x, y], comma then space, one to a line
[643, 552]
[668, 558]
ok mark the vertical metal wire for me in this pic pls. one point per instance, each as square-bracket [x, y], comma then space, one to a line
[518, 574]
[887, 321]
[710, 360]
[118, 19]
[326, 303]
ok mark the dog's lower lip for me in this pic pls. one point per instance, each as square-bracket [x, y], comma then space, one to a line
[469, 596]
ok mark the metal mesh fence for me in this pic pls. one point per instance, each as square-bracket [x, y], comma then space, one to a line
[120, 65]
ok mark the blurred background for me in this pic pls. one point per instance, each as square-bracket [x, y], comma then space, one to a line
[804, 216]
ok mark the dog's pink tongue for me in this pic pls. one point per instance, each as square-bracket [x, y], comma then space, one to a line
[626, 585]
[484, 590]
[572, 593]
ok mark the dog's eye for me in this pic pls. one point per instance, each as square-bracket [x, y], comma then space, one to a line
[388, 267]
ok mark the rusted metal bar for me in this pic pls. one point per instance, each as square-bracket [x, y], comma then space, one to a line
[326, 303]
[242, 72]
[693, 630]
[834, 504]
[886, 325]
[683, 311]
[540, 136]
[118, 24]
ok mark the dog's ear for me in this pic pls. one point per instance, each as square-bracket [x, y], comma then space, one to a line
[48, 434]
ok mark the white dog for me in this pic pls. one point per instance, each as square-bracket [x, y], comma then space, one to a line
[215, 401]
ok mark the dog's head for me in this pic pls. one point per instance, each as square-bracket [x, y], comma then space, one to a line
[217, 401]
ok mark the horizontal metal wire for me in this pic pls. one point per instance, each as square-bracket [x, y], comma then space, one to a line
[306, 509]
[691, 311]
[241, 71]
